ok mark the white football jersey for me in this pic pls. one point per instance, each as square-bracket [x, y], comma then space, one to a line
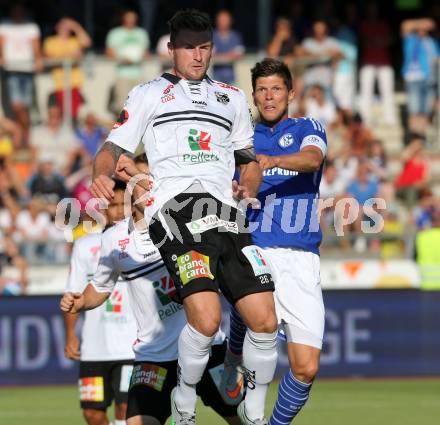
[190, 130]
[131, 254]
[109, 331]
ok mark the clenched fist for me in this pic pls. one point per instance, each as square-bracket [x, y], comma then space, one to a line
[102, 187]
[72, 302]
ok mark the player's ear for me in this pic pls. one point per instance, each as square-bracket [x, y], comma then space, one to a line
[253, 98]
[290, 96]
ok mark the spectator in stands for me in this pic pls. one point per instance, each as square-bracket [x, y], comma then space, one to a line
[377, 159]
[228, 48]
[32, 225]
[362, 189]
[332, 187]
[20, 57]
[318, 106]
[56, 140]
[11, 181]
[9, 254]
[10, 136]
[359, 137]
[282, 45]
[425, 210]
[67, 44]
[47, 183]
[91, 134]
[344, 83]
[128, 45]
[428, 254]
[420, 55]
[163, 53]
[337, 133]
[415, 174]
[375, 39]
[323, 52]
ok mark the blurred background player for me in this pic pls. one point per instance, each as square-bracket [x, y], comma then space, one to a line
[159, 319]
[108, 333]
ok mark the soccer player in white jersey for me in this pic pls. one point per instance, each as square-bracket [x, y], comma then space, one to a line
[128, 253]
[108, 333]
[195, 132]
[291, 152]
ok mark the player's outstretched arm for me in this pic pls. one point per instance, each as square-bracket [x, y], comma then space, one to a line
[74, 302]
[308, 160]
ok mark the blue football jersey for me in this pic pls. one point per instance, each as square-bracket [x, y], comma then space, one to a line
[289, 200]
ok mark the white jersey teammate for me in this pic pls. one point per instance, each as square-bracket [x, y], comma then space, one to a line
[107, 335]
[128, 253]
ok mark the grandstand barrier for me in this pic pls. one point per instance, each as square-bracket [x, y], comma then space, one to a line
[369, 333]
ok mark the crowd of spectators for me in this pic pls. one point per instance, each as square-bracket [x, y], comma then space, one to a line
[335, 70]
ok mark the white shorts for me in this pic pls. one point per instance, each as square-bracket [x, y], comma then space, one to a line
[298, 295]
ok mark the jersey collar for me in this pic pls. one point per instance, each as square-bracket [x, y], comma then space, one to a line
[174, 79]
[279, 128]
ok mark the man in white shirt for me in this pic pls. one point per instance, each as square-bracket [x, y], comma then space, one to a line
[108, 333]
[20, 57]
[195, 132]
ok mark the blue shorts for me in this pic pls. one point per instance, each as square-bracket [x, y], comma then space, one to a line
[20, 88]
[420, 97]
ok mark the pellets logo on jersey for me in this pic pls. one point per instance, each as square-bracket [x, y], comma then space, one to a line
[122, 119]
[286, 140]
[222, 98]
[149, 375]
[91, 389]
[193, 265]
[114, 303]
[199, 140]
[165, 290]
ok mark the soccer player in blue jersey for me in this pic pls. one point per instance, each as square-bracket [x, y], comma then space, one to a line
[290, 152]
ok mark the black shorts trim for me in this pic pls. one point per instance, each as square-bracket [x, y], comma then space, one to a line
[101, 382]
[151, 385]
[210, 251]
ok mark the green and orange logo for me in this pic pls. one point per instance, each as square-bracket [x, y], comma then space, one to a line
[114, 303]
[199, 140]
[193, 265]
[165, 290]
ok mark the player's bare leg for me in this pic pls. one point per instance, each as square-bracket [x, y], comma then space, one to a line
[142, 420]
[296, 384]
[95, 417]
[120, 413]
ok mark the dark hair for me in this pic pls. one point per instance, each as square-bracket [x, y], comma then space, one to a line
[119, 184]
[189, 19]
[141, 159]
[268, 67]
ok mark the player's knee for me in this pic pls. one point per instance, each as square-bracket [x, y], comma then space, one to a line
[305, 372]
[209, 325]
[264, 322]
[95, 417]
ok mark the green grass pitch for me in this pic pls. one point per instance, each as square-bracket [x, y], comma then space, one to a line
[345, 402]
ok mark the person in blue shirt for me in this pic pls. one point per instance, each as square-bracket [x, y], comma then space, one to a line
[228, 48]
[420, 55]
[290, 152]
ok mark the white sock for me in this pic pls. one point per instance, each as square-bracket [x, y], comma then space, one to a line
[260, 360]
[193, 357]
[119, 422]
